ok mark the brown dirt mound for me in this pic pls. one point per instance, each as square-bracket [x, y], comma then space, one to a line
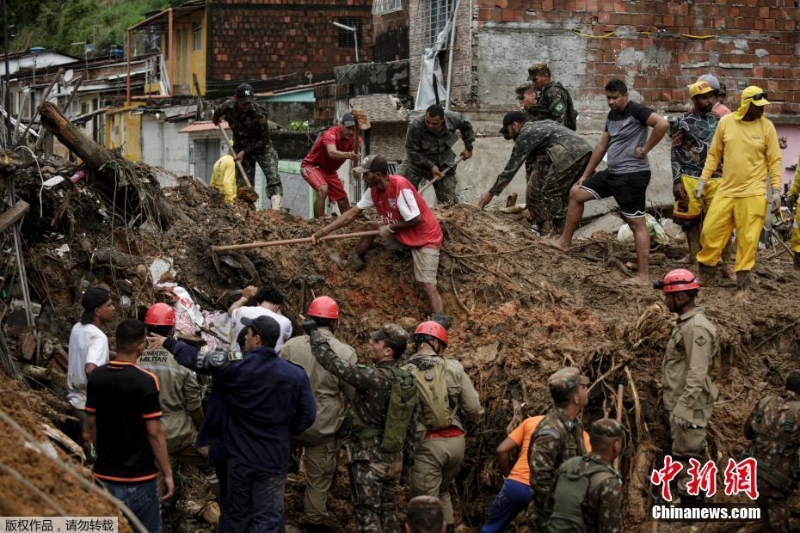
[520, 311]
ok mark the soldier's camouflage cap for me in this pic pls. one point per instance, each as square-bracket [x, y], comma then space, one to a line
[520, 90]
[564, 383]
[393, 334]
[536, 68]
[606, 427]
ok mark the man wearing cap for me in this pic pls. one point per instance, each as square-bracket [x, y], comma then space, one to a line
[773, 429]
[748, 143]
[319, 167]
[429, 150]
[88, 349]
[688, 371]
[249, 121]
[320, 441]
[691, 137]
[268, 302]
[557, 438]
[555, 103]
[626, 177]
[565, 153]
[406, 223]
[719, 108]
[527, 100]
[257, 400]
[588, 489]
[379, 434]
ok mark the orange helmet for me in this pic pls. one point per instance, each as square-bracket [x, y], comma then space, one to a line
[678, 280]
[160, 315]
[432, 329]
[324, 307]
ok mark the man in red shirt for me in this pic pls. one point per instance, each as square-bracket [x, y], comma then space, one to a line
[319, 167]
[406, 222]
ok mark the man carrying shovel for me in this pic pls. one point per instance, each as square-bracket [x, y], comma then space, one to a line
[250, 125]
[407, 223]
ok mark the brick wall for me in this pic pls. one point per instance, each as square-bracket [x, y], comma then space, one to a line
[261, 39]
[390, 36]
[657, 46]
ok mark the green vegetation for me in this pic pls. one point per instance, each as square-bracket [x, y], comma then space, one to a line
[56, 24]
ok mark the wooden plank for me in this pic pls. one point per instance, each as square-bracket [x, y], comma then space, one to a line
[13, 213]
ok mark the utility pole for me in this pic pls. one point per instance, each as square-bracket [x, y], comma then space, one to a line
[6, 91]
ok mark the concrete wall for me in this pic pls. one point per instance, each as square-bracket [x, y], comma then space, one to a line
[163, 146]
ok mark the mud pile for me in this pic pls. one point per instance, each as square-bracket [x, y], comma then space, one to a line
[520, 311]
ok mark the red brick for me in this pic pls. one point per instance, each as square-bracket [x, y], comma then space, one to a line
[507, 15]
[669, 21]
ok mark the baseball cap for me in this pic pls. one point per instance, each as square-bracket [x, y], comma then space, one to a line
[348, 120]
[700, 87]
[754, 95]
[711, 80]
[245, 93]
[373, 163]
[266, 327]
[793, 381]
[564, 383]
[535, 69]
[395, 336]
[607, 428]
[91, 300]
[510, 118]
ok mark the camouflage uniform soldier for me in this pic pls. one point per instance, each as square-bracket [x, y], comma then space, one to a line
[250, 125]
[687, 382]
[773, 429]
[558, 437]
[588, 489]
[429, 142]
[379, 432]
[555, 103]
[565, 157]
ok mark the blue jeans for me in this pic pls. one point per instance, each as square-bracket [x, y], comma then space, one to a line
[254, 499]
[512, 498]
[142, 499]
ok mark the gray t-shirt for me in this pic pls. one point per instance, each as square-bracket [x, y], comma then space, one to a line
[627, 129]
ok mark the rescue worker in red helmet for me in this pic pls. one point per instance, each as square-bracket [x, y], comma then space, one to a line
[688, 373]
[180, 396]
[446, 396]
[320, 442]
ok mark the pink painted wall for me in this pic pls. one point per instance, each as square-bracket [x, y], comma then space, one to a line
[792, 150]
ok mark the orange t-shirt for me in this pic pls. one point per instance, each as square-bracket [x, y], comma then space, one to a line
[521, 473]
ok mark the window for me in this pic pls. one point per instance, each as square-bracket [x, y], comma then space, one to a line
[441, 12]
[384, 7]
[346, 38]
[197, 36]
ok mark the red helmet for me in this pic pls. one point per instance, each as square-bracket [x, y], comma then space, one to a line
[434, 329]
[324, 307]
[679, 280]
[160, 315]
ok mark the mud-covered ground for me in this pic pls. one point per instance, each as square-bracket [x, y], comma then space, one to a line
[520, 311]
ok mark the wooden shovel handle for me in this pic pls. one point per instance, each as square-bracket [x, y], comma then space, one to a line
[264, 244]
[233, 153]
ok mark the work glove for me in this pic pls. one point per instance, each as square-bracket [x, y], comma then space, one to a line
[776, 200]
[309, 325]
[385, 230]
[698, 191]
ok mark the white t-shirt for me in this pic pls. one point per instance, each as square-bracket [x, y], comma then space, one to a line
[257, 311]
[87, 344]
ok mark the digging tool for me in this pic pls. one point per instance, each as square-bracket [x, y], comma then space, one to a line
[264, 244]
[247, 193]
[447, 170]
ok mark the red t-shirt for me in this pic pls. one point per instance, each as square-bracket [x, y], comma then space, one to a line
[318, 156]
[401, 202]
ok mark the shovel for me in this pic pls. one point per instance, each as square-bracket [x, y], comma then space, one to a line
[247, 194]
[447, 170]
[264, 244]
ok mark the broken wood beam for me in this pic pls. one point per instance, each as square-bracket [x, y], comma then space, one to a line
[13, 214]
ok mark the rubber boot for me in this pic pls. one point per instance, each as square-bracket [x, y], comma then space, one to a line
[797, 260]
[277, 202]
[743, 281]
[707, 274]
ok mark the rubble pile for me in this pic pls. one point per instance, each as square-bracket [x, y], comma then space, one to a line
[520, 311]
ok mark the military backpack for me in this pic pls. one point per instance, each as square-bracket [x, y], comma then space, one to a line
[570, 115]
[430, 377]
[572, 487]
[402, 401]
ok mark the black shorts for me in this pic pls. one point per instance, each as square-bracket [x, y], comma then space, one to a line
[629, 190]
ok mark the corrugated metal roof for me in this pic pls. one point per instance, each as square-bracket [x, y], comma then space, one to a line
[203, 126]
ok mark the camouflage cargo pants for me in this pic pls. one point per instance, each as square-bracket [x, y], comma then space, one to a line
[537, 170]
[445, 188]
[268, 161]
[775, 507]
[547, 195]
[376, 495]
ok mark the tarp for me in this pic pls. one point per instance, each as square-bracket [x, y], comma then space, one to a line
[430, 75]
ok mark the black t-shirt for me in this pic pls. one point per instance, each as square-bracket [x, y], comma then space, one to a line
[123, 396]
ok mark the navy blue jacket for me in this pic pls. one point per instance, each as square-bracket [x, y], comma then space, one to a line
[254, 405]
